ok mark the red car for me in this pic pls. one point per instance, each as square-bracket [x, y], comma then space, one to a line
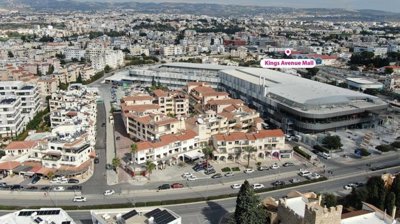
[176, 185]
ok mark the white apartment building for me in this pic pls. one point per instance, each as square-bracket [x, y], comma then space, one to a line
[137, 50]
[171, 102]
[74, 52]
[172, 50]
[47, 85]
[378, 51]
[168, 147]
[102, 57]
[11, 118]
[268, 143]
[28, 95]
[37, 216]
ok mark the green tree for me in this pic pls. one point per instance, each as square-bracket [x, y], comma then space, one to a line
[388, 70]
[248, 209]
[50, 70]
[332, 142]
[116, 162]
[208, 152]
[133, 151]
[79, 78]
[153, 81]
[10, 54]
[50, 175]
[390, 202]
[356, 197]
[107, 69]
[249, 150]
[2, 153]
[376, 192]
[329, 200]
[312, 71]
[38, 72]
[150, 166]
[395, 188]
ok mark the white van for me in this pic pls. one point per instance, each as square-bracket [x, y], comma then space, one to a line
[305, 173]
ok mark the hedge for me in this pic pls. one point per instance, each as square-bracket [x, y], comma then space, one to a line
[226, 169]
[385, 148]
[235, 169]
[396, 144]
[301, 152]
[321, 148]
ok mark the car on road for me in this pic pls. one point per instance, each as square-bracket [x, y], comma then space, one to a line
[248, 170]
[294, 180]
[177, 185]
[118, 138]
[186, 175]
[261, 168]
[73, 181]
[3, 184]
[103, 124]
[325, 155]
[79, 199]
[164, 187]
[74, 188]
[32, 188]
[278, 183]
[35, 179]
[45, 188]
[192, 178]
[215, 176]
[274, 166]
[96, 160]
[314, 176]
[288, 164]
[229, 174]
[350, 186]
[305, 173]
[16, 187]
[59, 188]
[109, 192]
[236, 186]
[257, 186]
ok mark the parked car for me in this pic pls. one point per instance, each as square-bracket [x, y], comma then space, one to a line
[211, 171]
[16, 187]
[257, 186]
[294, 180]
[35, 179]
[63, 181]
[103, 124]
[236, 186]
[215, 176]
[59, 188]
[192, 178]
[186, 175]
[177, 185]
[3, 184]
[261, 168]
[278, 183]
[274, 166]
[248, 170]
[164, 187]
[325, 155]
[32, 188]
[350, 186]
[73, 181]
[314, 176]
[96, 160]
[79, 199]
[45, 188]
[229, 174]
[288, 164]
[109, 192]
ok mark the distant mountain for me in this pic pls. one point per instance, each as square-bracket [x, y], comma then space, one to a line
[197, 9]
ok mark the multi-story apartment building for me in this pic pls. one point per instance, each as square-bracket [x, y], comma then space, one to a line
[171, 102]
[74, 52]
[47, 85]
[268, 143]
[11, 118]
[28, 95]
[172, 50]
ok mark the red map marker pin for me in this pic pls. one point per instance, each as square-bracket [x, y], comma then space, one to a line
[288, 52]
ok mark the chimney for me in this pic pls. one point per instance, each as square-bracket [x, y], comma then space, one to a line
[319, 199]
[394, 212]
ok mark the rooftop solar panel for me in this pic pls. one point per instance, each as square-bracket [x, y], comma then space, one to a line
[39, 212]
[163, 217]
[152, 213]
[129, 214]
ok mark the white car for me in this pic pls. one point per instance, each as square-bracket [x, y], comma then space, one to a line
[229, 174]
[63, 181]
[192, 178]
[236, 186]
[58, 189]
[349, 186]
[258, 186]
[186, 175]
[248, 170]
[314, 176]
[79, 199]
[305, 173]
[109, 192]
[294, 180]
[275, 166]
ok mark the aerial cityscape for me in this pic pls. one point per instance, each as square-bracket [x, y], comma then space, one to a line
[195, 112]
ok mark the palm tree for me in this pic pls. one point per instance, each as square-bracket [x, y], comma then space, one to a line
[116, 162]
[207, 151]
[249, 150]
[133, 151]
[150, 166]
[50, 175]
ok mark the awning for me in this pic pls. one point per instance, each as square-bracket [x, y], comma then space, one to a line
[45, 171]
[73, 170]
[193, 155]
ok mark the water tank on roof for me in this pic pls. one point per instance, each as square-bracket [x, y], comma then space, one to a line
[200, 121]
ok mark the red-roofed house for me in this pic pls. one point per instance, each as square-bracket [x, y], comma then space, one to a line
[269, 143]
[20, 147]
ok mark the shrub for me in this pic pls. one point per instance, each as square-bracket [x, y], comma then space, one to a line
[321, 148]
[364, 152]
[396, 144]
[235, 169]
[226, 169]
[301, 152]
[384, 148]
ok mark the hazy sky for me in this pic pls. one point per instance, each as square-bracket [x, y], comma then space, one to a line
[386, 5]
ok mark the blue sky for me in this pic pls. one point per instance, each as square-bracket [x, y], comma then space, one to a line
[386, 5]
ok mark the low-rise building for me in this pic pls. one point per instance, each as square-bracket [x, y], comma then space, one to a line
[37, 216]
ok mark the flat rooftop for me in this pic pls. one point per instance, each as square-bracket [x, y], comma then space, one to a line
[35, 216]
[297, 204]
[370, 218]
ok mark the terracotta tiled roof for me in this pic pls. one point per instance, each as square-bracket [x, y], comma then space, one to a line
[226, 102]
[137, 98]
[249, 136]
[166, 139]
[139, 108]
[9, 165]
[160, 93]
[16, 145]
[215, 94]
[204, 89]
